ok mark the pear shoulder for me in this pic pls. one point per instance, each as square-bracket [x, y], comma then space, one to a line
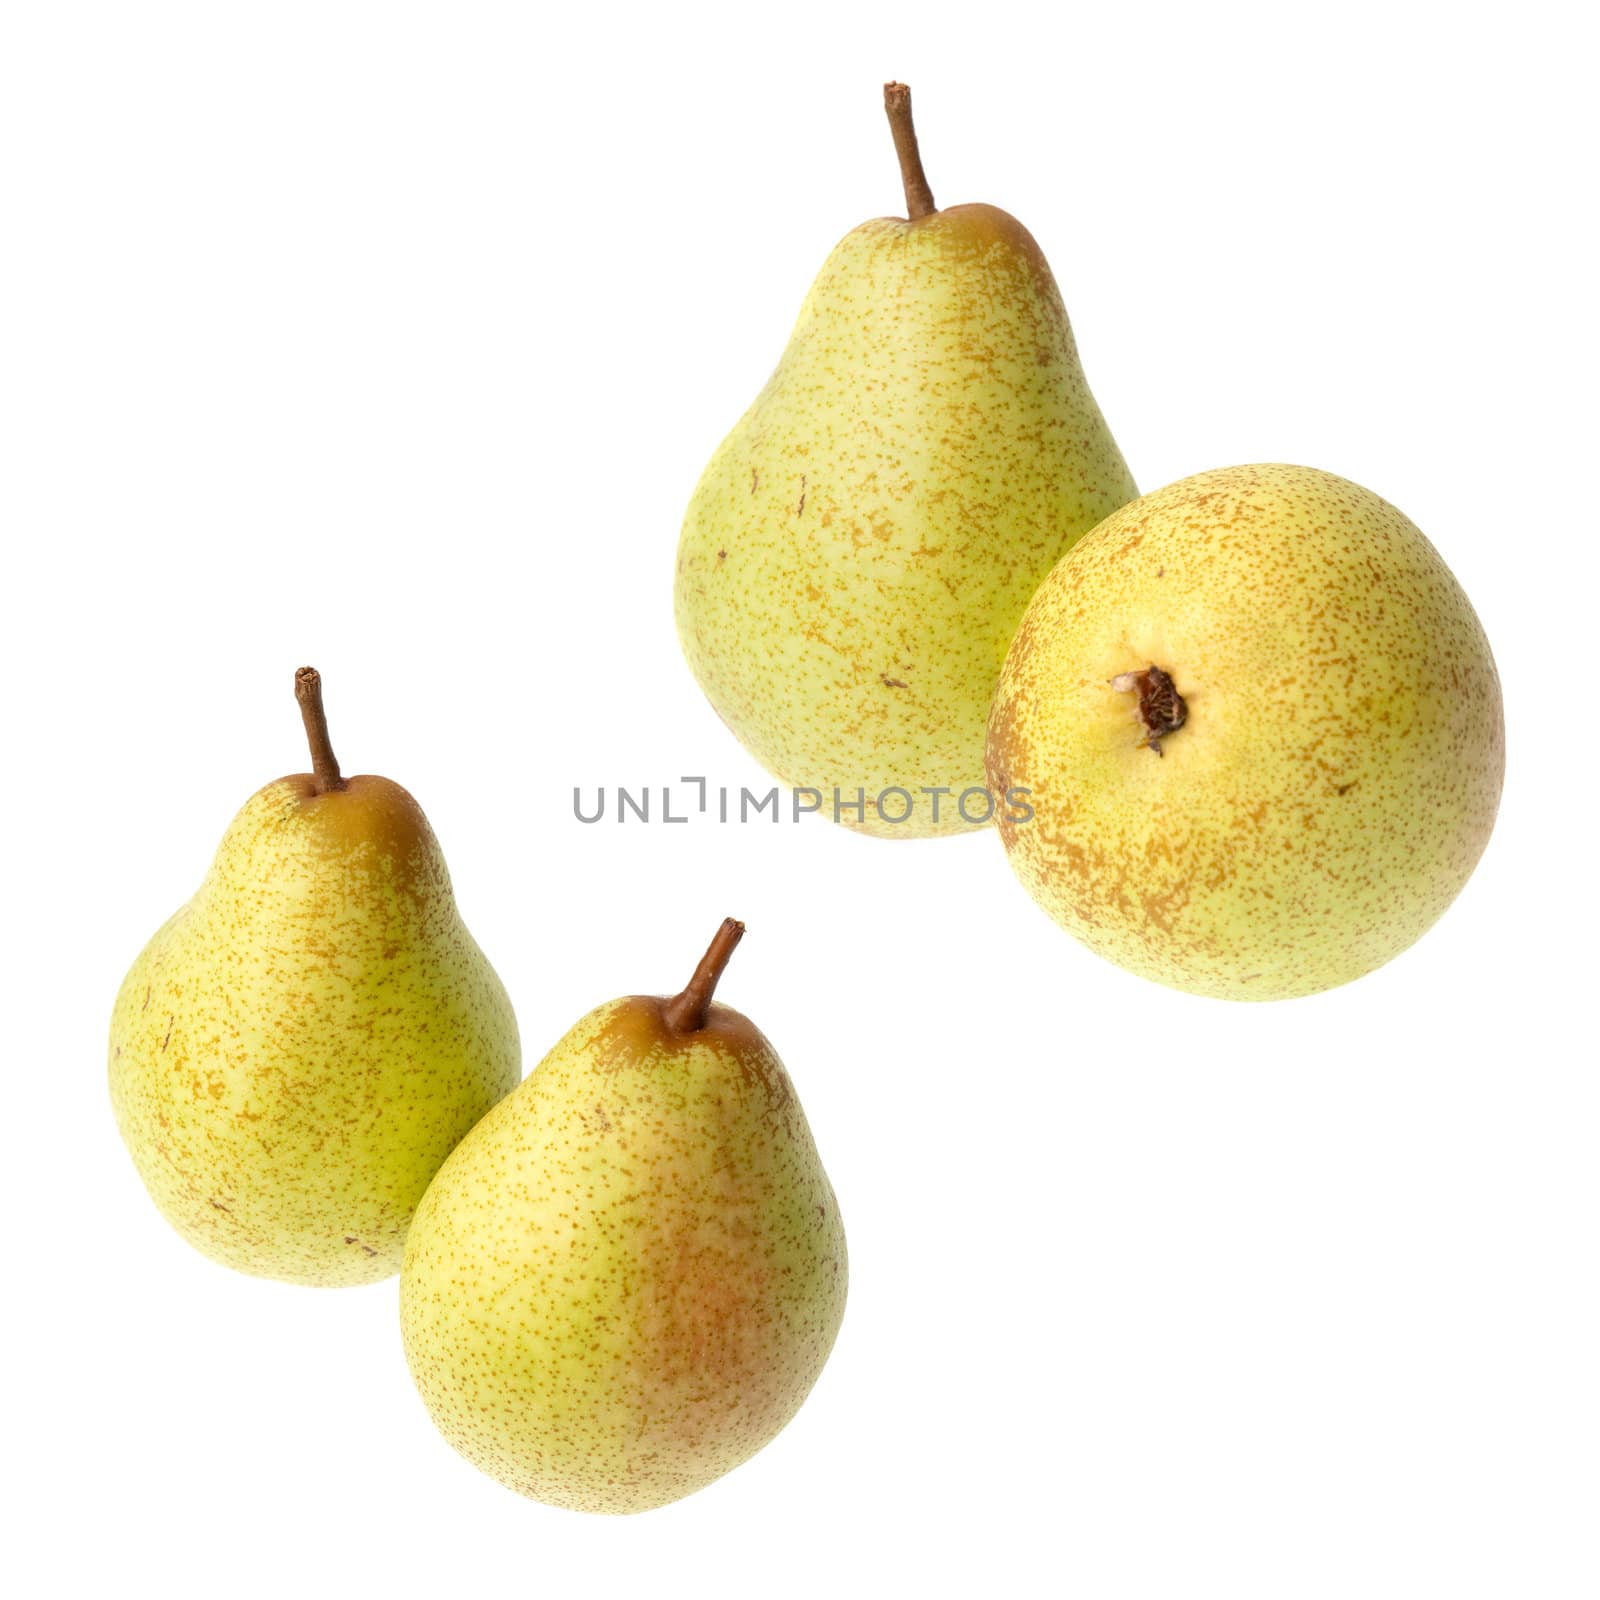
[370, 817]
[973, 229]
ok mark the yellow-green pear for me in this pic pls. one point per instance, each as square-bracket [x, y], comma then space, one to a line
[860, 549]
[628, 1276]
[1259, 730]
[299, 1048]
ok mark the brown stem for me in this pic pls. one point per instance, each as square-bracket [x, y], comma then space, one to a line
[919, 197]
[324, 763]
[686, 1012]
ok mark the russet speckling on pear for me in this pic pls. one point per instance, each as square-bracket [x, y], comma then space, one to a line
[628, 1276]
[1261, 728]
[298, 1049]
[860, 549]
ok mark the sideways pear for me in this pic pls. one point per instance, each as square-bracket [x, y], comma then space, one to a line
[860, 549]
[1261, 731]
[299, 1048]
[628, 1276]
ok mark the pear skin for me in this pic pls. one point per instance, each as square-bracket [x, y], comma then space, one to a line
[628, 1276]
[1261, 730]
[861, 547]
[297, 1050]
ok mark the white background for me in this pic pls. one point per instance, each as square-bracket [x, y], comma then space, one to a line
[392, 339]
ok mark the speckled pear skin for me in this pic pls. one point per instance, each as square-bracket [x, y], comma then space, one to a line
[1338, 775]
[861, 547]
[628, 1276]
[296, 1051]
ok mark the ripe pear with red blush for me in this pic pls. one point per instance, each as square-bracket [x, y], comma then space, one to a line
[628, 1276]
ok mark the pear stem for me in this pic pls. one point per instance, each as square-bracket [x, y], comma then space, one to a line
[324, 763]
[919, 197]
[686, 1012]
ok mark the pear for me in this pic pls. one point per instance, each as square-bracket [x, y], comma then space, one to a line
[860, 549]
[1260, 733]
[299, 1048]
[628, 1276]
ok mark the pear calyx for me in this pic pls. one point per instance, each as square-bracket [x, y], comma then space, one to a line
[919, 197]
[324, 763]
[686, 1012]
[1161, 708]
